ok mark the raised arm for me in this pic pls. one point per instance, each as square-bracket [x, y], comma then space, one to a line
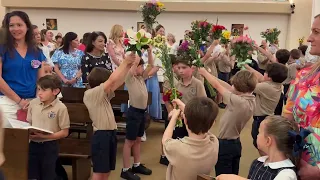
[210, 50]
[267, 54]
[256, 73]
[118, 76]
[169, 130]
[221, 88]
[150, 67]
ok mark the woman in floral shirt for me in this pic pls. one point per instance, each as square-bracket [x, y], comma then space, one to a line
[303, 106]
[67, 61]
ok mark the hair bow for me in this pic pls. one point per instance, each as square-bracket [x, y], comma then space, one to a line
[300, 144]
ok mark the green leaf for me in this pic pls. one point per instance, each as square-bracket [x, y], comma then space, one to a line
[138, 46]
[138, 35]
[143, 39]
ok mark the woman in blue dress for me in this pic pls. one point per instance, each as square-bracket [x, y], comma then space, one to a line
[67, 61]
[155, 109]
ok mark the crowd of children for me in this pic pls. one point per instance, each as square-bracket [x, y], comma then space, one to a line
[257, 92]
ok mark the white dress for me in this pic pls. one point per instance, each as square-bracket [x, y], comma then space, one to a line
[46, 53]
[173, 48]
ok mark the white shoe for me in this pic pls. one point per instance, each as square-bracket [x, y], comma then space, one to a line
[144, 137]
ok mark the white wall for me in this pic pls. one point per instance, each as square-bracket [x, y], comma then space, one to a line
[315, 8]
[81, 21]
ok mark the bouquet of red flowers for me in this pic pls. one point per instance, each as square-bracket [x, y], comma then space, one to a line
[217, 31]
[171, 94]
[200, 31]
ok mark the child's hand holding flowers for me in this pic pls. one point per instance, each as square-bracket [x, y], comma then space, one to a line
[179, 103]
[137, 41]
[174, 114]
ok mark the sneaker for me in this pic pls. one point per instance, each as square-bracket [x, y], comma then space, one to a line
[164, 160]
[222, 105]
[144, 137]
[129, 175]
[141, 170]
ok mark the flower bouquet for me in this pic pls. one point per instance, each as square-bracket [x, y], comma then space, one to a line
[217, 31]
[200, 31]
[162, 53]
[136, 41]
[150, 10]
[271, 35]
[240, 48]
[225, 38]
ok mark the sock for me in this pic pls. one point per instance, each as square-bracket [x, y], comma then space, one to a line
[125, 169]
[136, 164]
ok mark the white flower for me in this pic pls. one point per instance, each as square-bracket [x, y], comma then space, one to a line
[132, 35]
[144, 33]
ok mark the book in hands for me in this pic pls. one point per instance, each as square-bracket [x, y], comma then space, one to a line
[24, 125]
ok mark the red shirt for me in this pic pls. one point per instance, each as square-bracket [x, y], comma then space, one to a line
[82, 47]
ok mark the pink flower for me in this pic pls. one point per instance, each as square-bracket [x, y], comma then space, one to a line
[205, 24]
[246, 28]
[240, 39]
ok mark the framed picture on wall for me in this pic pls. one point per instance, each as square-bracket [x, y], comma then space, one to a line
[140, 25]
[52, 24]
[237, 29]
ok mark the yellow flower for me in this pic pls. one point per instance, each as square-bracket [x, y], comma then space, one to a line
[226, 34]
[160, 4]
[271, 30]
[301, 40]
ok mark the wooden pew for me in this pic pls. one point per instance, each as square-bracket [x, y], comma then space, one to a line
[75, 95]
[205, 177]
[16, 152]
[75, 149]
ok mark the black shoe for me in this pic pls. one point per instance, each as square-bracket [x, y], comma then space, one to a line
[129, 175]
[164, 160]
[141, 170]
[222, 105]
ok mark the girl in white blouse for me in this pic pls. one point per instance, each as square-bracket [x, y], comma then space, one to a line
[280, 140]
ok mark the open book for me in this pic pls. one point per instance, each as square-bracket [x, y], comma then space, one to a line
[24, 125]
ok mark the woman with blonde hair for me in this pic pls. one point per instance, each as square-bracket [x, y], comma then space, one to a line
[171, 43]
[115, 45]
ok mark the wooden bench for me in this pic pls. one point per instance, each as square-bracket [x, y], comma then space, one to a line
[78, 150]
[16, 152]
[75, 95]
[205, 177]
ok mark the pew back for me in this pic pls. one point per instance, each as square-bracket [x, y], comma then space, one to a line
[16, 150]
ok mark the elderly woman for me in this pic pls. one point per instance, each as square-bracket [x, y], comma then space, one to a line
[20, 66]
[303, 106]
